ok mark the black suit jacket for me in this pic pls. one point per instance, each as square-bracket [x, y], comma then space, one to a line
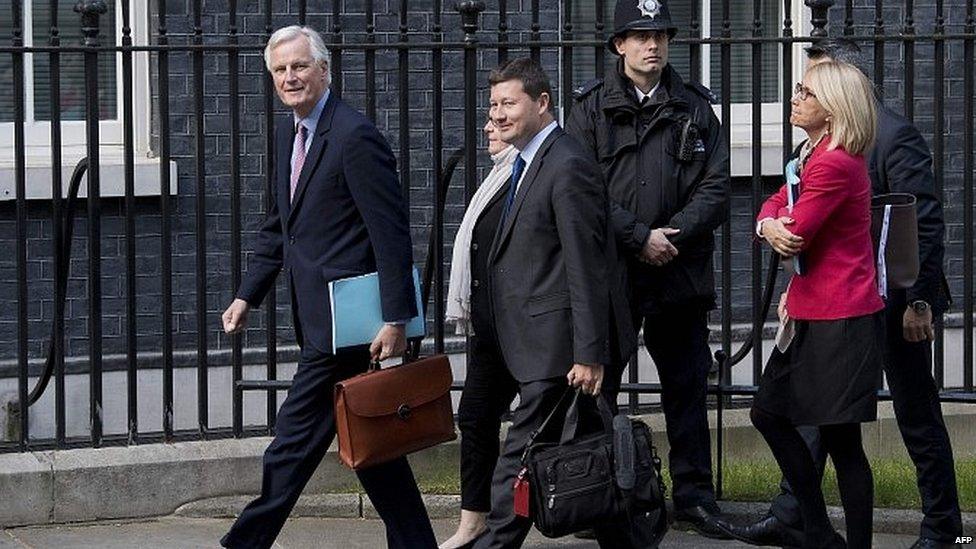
[347, 219]
[901, 163]
[555, 278]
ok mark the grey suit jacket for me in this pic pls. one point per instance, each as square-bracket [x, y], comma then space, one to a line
[557, 286]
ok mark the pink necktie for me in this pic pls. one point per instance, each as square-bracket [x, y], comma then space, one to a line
[296, 169]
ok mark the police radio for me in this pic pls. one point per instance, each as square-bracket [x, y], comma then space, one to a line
[689, 139]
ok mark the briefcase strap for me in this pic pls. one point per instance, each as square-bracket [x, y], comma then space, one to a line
[542, 427]
[571, 424]
[571, 420]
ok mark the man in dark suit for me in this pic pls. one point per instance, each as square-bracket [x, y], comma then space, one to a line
[336, 212]
[556, 291]
[899, 163]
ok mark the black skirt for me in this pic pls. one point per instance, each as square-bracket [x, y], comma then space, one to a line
[829, 374]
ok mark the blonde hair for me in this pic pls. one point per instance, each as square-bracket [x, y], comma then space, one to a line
[848, 97]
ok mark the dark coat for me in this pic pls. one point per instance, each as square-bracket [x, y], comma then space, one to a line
[555, 281]
[901, 163]
[650, 186]
[347, 219]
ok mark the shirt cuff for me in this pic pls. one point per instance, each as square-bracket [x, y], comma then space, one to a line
[398, 322]
[759, 226]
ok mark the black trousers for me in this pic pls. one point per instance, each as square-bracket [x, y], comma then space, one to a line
[919, 416]
[488, 393]
[677, 340]
[303, 432]
[505, 529]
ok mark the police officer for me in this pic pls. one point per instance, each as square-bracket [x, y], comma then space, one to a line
[665, 160]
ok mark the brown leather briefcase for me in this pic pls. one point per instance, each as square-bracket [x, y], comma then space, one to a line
[384, 414]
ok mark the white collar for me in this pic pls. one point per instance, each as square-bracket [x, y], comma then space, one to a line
[641, 95]
[528, 153]
[312, 120]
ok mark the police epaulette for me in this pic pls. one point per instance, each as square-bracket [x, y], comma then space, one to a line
[708, 94]
[580, 92]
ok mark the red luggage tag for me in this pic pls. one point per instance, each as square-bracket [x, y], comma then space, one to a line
[521, 489]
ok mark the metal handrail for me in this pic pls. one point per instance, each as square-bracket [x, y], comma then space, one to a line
[61, 279]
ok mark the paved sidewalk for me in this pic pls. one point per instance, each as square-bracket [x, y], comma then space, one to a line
[300, 533]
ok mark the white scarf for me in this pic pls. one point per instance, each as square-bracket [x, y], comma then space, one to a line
[459, 288]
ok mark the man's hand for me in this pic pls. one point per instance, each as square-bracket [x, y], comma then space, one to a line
[917, 326]
[780, 238]
[391, 340]
[658, 250]
[589, 378]
[235, 317]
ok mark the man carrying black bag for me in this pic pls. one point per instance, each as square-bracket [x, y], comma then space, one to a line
[557, 298]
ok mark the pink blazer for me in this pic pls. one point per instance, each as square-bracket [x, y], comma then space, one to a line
[833, 215]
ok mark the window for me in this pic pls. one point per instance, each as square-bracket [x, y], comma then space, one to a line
[36, 25]
[37, 73]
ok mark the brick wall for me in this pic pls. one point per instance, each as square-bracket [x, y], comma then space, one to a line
[253, 164]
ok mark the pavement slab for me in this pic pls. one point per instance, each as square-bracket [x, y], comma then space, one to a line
[175, 532]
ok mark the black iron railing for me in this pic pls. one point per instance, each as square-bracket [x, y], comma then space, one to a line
[450, 52]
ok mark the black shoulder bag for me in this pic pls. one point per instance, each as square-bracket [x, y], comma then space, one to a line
[583, 481]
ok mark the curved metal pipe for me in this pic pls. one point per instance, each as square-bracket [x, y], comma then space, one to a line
[428, 275]
[737, 357]
[61, 277]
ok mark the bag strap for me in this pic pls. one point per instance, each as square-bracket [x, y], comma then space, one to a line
[571, 425]
[542, 427]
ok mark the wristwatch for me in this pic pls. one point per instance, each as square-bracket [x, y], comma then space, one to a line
[919, 306]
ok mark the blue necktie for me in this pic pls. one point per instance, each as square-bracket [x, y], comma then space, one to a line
[517, 168]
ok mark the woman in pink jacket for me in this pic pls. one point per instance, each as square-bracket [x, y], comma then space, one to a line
[826, 374]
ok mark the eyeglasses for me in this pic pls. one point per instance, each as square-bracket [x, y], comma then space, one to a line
[802, 92]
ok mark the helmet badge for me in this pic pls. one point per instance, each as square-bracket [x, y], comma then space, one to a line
[649, 8]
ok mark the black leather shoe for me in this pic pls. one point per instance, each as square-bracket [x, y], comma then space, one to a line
[700, 520]
[589, 533]
[767, 531]
[929, 543]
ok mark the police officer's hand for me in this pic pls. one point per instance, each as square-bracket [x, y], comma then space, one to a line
[780, 238]
[658, 250]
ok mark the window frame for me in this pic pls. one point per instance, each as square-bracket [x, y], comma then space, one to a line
[37, 134]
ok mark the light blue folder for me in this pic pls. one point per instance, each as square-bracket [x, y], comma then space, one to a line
[357, 313]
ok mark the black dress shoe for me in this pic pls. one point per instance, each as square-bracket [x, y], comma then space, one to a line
[589, 533]
[767, 531]
[700, 520]
[929, 543]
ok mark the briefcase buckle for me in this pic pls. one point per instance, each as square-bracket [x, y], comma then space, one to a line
[403, 411]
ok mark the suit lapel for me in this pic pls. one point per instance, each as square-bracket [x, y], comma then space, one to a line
[505, 229]
[286, 138]
[319, 141]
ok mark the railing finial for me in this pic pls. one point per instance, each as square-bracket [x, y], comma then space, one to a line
[818, 17]
[470, 10]
[90, 11]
